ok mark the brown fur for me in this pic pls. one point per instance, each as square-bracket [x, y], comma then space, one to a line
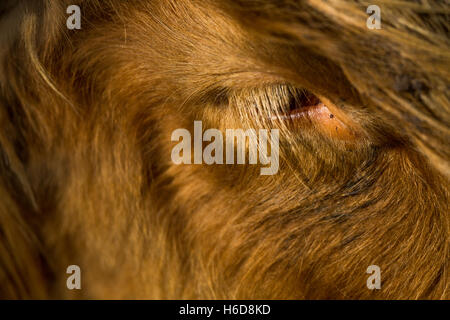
[86, 176]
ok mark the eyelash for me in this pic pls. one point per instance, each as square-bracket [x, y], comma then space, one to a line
[302, 99]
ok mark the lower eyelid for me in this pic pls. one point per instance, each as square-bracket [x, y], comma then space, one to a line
[331, 124]
[350, 129]
[325, 117]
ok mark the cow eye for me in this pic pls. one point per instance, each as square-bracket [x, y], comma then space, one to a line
[306, 110]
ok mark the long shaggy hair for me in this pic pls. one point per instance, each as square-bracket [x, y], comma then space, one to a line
[86, 176]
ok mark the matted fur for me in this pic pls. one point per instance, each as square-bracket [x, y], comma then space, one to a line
[86, 176]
